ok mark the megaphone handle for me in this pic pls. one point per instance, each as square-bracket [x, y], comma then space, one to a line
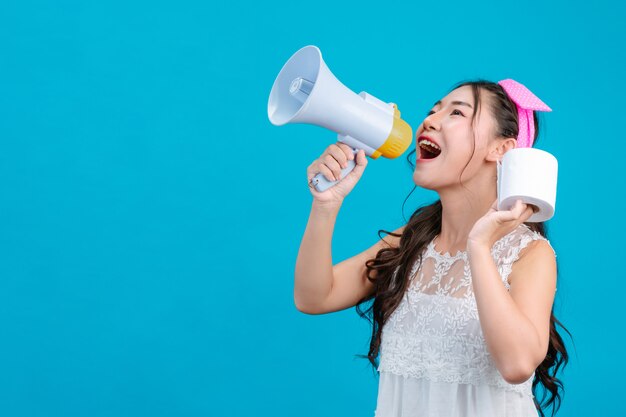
[322, 184]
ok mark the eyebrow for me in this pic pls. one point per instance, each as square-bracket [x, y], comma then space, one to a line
[460, 103]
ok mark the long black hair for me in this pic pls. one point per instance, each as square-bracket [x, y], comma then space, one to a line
[422, 227]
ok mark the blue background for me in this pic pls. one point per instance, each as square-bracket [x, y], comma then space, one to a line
[150, 215]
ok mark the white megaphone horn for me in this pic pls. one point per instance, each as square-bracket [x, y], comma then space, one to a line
[305, 91]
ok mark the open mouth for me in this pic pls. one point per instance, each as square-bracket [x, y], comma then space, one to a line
[428, 149]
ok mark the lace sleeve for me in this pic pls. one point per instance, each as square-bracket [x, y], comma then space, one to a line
[514, 254]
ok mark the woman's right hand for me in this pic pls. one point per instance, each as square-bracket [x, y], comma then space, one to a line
[330, 163]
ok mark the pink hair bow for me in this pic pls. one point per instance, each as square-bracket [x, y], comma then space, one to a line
[526, 102]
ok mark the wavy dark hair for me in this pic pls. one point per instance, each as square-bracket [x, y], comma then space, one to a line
[422, 227]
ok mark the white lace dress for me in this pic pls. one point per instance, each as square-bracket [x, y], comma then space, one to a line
[433, 357]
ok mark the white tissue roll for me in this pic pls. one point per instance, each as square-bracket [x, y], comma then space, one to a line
[528, 174]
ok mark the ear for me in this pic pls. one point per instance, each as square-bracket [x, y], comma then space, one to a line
[499, 147]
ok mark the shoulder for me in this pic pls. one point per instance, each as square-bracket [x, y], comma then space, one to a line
[534, 255]
[538, 250]
[534, 242]
[523, 240]
[517, 243]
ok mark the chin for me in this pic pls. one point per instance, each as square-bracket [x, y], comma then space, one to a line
[420, 183]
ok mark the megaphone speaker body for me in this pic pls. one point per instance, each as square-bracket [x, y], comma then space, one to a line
[306, 91]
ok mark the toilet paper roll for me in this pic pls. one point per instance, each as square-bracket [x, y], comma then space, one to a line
[528, 174]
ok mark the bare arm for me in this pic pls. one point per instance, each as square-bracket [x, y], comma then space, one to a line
[321, 287]
[314, 267]
[515, 323]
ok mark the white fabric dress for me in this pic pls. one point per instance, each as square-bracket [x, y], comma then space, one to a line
[434, 360]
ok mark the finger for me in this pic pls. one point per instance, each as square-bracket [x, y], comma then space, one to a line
[347, 150]
[511, 214]
[361, 159]
[505, 216]
[339, 155]
[332, 164]
[311, 174]
[361, 163]
[312, 170]
[324, 170]
[518, 208]
[527, 213]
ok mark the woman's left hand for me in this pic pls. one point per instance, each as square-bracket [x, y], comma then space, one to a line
[496, 224]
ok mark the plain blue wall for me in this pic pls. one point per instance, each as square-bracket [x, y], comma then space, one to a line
[150, 214]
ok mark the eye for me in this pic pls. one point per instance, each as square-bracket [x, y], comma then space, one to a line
[458, 111]
[430, 112]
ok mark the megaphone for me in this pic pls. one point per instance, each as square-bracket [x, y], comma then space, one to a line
[306, 91]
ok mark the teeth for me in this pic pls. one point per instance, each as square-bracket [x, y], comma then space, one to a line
[427, 142]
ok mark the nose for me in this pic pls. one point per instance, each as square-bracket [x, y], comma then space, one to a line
[431, 122]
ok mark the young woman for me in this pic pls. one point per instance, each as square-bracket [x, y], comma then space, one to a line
[462, 295]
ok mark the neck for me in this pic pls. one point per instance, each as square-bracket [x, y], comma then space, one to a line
[461, 208]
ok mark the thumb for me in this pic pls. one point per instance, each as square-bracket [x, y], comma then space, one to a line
[361, 163]
[512, 214]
